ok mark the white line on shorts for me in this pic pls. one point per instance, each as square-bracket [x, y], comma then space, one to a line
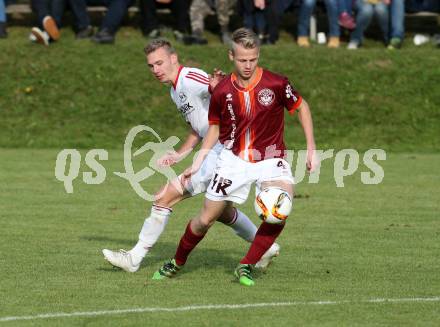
[214, 307]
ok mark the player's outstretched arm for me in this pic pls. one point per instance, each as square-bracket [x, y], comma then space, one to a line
[305, 118]
[173, 157]
[209, 141]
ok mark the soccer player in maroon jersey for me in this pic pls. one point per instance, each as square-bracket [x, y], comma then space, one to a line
[246, 114]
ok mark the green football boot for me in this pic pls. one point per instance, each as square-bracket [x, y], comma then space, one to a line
[243, 273]
[168, 270]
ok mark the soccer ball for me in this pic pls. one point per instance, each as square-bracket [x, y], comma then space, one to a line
[273, 205]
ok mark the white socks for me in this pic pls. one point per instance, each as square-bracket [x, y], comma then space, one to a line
[153, 226]
[243, 226]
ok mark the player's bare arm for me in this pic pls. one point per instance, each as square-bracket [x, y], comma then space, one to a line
[209, 141]
[173, 157]
[305, 118]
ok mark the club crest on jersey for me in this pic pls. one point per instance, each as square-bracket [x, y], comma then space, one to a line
[229, 97]
[182, 97]
[289, 93]
[266, 97]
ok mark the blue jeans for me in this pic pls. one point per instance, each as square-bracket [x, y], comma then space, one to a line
[2, 12]
[306, 11]
[397, 14]
[345, 6]
[364, 16]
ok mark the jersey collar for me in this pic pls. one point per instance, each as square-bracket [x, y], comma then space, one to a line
[177, 77]
[252, 84]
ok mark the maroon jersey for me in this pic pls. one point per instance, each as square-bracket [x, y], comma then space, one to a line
[252, 119]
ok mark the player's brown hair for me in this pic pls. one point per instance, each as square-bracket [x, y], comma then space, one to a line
[246, 38]
[155, 44]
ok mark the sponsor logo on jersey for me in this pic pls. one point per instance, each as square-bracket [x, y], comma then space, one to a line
[289, 93]
[186, 109]
[182, 97]
[266, 97]
[229, 97]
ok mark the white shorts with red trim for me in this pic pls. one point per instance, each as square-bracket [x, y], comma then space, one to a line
[233, 177]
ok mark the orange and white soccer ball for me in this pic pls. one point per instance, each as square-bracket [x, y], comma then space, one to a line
[273, 205]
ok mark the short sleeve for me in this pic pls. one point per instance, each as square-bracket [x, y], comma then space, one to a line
[291, 97]
[214, 113]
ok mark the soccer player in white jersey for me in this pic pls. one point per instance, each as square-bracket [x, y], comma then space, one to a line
[190, 91]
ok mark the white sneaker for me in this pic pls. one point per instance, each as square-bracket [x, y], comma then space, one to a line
[266, 259]
[352, 45]
[121, 259]
[39, 36]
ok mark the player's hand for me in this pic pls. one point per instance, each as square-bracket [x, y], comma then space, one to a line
[169, 159]
[312, 160]
[215, 78]
[191, 170]
[260, 4]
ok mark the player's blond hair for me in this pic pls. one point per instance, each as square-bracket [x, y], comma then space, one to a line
[155, 44]
[246, 38]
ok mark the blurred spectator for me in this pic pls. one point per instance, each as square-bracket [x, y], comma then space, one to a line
[254, 16]
[150, 22]
[116, 10]
[365, 11]
[305, 13]
[346, 19]
[3, 33]
[397, 16]
[200, 9]
[48, 15]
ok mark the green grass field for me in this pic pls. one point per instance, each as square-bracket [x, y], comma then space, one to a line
[353, 244]
[343, 249]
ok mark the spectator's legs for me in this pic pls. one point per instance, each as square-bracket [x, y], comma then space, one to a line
[332, 13]
[363, 19]
[198, 11]
[115, 13]
[149, 21]
[57, 8]
[273, 18]
[79, 11]
[41, 10]
[397, 8]
[305, 12]
[180, 10]
[248, 13]
[2, 12]
[260, 22]
[382, 14]
[3, 32]
[223, 8]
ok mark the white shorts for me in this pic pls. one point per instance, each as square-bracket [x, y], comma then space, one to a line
[233, 177]
[200, 180]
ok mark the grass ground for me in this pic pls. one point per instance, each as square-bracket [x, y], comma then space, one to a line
[348, 245]
[352, 244]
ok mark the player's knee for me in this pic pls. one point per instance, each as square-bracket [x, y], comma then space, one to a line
[227, 215]
[167, 196]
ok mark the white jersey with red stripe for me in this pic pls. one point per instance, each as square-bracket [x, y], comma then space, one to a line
[190, 93]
